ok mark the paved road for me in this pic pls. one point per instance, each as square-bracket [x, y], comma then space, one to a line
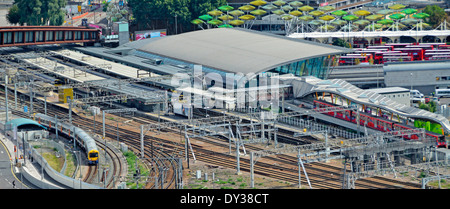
[7, 176]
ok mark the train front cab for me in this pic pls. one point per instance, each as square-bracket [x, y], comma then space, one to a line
[93, 157]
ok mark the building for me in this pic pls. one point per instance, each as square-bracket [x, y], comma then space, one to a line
[397, 94]
[423, 76]
[225, 58]
[26, 129]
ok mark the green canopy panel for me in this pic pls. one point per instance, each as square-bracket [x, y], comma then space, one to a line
[258, 12]
[279, 3]
[350, 17]
[206, 17]
[226, 8]
[339, 13]
[397, 16]
[258, 3]
[236, 13]
[296, 4]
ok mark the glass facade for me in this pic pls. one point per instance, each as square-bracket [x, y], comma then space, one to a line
[316, 67]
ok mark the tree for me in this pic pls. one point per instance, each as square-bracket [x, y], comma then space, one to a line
[437, 15]
[13, 15]
[39, 12]
[156, 14]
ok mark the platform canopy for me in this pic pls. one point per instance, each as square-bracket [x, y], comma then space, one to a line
[23, 123]
[237, 50]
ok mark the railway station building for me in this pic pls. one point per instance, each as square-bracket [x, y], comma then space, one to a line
[220, 63]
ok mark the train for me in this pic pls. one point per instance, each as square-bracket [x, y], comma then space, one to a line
[83, 140]
[377, 123]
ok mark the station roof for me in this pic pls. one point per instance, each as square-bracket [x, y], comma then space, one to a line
[237, 50]
[309, 85]
[24, 122]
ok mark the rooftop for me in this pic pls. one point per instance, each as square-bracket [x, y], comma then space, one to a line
[237, 50]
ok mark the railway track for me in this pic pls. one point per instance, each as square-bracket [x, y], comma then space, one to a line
[282, 168]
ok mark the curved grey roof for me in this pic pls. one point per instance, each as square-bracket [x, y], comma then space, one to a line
[237, 50]
[309, 85]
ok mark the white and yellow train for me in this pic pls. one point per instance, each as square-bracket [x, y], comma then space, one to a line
[84, 140]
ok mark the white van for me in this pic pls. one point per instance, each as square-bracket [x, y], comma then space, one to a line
[415, 94]
[442, 93]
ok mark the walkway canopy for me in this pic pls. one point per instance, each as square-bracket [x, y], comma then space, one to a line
[25, 123]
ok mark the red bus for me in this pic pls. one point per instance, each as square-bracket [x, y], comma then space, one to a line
[423, 46]
[399, 45]
[397, 58]
[445, 46]
[436, 50]
[351, 60]
[435, 45]
[427, 56]
[416, 53]
[379, 56]
[390, 48]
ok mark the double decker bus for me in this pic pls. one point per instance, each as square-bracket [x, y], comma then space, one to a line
[416, 53]
[351, 60]
[444, 46]
[422, 46]
[399, 45]
[378, 58]
[441, 55]
[390, 48]
[400, 57]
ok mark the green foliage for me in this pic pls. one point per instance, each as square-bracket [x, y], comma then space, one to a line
[341, 43]
[38, 12]
[431, 106]
[156, 14]
[13, 15]
[437, 15]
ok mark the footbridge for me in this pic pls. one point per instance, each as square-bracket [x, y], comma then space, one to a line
[38, 35]
[349, 94]
[370, 35]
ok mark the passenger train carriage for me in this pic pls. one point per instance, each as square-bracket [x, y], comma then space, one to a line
[86, 142]
[378, 123]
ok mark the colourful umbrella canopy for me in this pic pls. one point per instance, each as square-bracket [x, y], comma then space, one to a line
[306, 18]
[296, 4]
[397, 16]
[278, 12]
[295, 13]
[362, 13]
[361, 22]
[316, 22]
[327, 27]
[247, 8]
[397, 6]
[258, 3]
[287, 8]
[327, 18]
[350, 17]
[424, 25]
[236, 12]
[306, 8]
[409, 11]
[338, 22]
[385, 22]
[326, 8]
[226, 17]
[316, 13]
[226, 8]
[236, 22]
[279, 3]
[286, 17]
[247, 17]
[409, 21]
[374, 17]
[376, 26]
[197, 21]
[225, 26]
[215, 13]
[269, 7]
[421, 15]
[214, 22]
[339, 13]
[206, 17]
[385, 12]
[258, 12]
